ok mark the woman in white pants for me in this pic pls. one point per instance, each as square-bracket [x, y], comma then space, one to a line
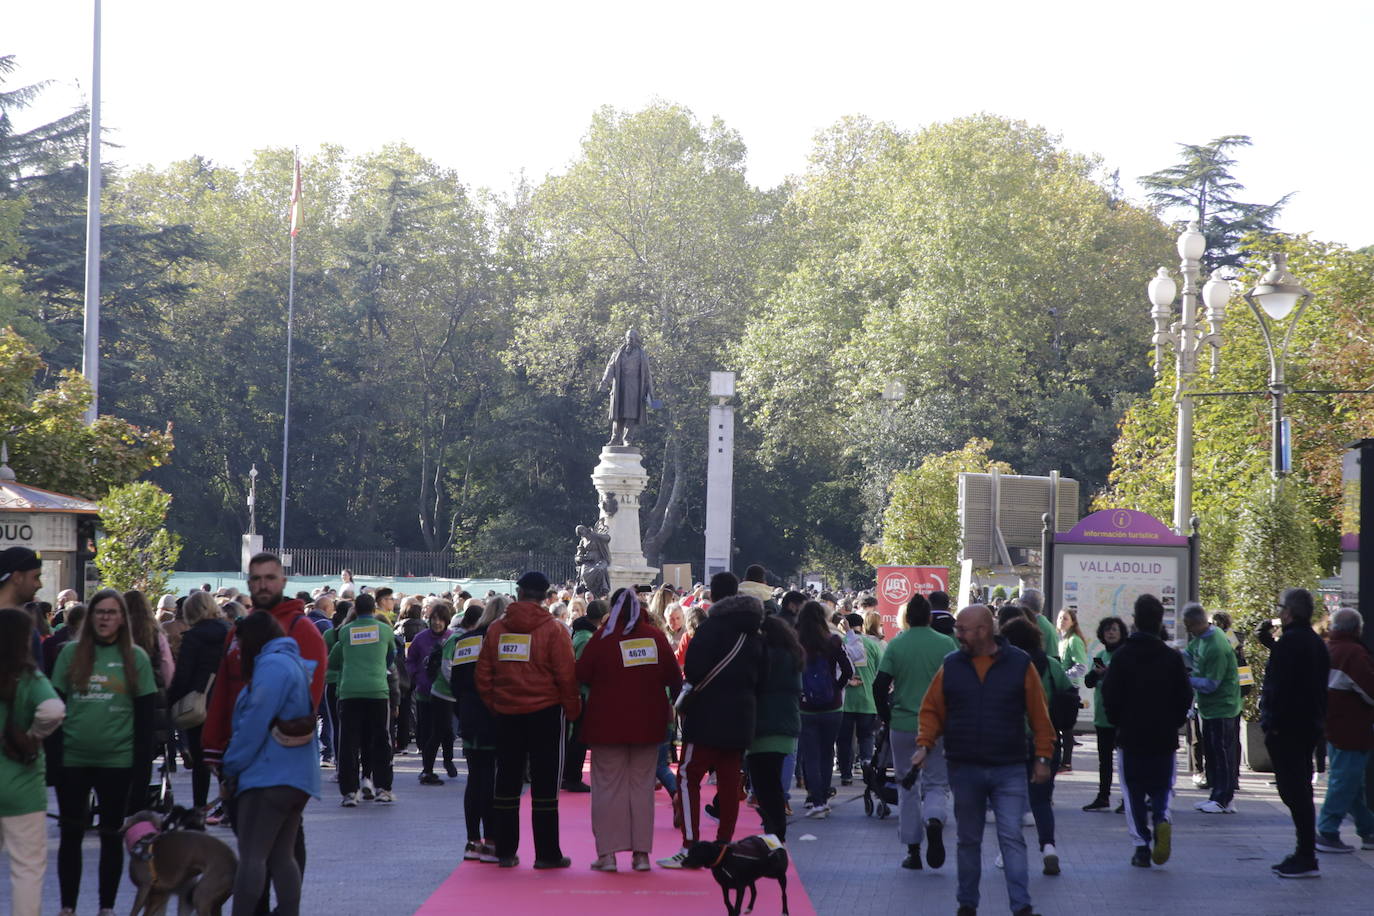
[29, 712]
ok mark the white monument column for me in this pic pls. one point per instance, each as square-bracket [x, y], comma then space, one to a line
[620, 476]
[720, 477]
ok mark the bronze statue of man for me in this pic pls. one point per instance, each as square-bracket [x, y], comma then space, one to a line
[631, 386]
[593, 560]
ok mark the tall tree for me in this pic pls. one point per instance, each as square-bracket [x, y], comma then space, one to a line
[1201, 184]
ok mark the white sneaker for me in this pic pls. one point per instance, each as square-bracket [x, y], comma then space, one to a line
[1211, 807]
[384, 797]
[1198, 806]
[819, 811]
[998, 861]
[1198, 780]
[1028, 820]
[368, 789]
[673, 861]
[350, 800]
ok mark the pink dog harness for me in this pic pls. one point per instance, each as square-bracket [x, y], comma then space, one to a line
[140, 833]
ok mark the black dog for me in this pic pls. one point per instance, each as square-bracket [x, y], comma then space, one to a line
[737, 866]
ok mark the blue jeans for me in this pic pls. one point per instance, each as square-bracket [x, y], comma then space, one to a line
[974, 788]
[817, 747]
[1041, 797]
[1345, 792]
[1221, 744]
[664, 772]
[1147, 787]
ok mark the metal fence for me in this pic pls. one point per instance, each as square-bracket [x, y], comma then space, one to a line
[397, 564]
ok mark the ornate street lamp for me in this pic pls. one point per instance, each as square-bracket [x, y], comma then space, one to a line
[1186, 337]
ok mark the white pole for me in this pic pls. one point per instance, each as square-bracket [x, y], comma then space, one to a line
[90, 365]
[286, 418]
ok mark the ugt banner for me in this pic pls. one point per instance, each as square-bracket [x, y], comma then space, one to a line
[896, 585]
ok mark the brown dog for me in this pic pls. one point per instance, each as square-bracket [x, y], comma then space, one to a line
[188, 863]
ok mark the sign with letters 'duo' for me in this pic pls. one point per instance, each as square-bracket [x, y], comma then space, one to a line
[896, 585]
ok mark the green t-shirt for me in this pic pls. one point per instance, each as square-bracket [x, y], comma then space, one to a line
[860, 698]
[1214, 659]
[362, 654]
[1049, 636]
[22, 790]
[331, 637]
[1072, 652]
[1100, 719]
[912, 658]
[99, 728]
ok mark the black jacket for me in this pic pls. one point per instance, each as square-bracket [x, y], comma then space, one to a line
[476, 724]
[722, 714]
[1293, 698]
[1147, 695]
[198, 658]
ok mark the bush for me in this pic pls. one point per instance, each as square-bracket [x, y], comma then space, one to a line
[1275, 548]
[137, 552]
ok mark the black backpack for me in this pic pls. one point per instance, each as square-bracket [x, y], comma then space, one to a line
[434, 661]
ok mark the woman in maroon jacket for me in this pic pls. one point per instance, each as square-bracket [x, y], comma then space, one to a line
[629, 669]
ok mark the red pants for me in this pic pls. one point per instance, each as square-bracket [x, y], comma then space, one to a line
[697, 761]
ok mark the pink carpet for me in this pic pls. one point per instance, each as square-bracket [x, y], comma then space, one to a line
[474, 888]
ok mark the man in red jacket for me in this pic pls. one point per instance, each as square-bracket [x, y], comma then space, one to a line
[267, 585]
[1349, 735]
[525, 676]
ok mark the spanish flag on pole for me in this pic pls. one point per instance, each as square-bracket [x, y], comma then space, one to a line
[296, 216]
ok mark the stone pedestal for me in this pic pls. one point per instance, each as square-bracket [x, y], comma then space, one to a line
[620, 475]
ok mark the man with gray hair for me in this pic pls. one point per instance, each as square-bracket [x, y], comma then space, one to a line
[1033, 600]
[1215, 676]
[1349, 735]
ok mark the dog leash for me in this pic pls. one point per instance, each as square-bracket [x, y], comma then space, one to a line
[720, 858]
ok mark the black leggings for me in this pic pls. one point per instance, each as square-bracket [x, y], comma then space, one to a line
[1106, 747]
[74, 785]
[438, 731]
[765, 776]
[267, 822]
[478, 793]
[200, 773]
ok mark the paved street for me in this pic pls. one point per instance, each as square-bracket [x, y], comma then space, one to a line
[379, 861]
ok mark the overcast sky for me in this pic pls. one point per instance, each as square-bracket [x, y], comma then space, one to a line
[494, 87]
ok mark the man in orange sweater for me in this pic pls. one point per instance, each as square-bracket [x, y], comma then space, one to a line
[980, 701]
[525, 675]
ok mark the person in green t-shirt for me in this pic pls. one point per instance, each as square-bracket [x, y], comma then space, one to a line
[859, 713]
[28, 698]
[1215, 675]
[107, 683]
[904, 674]
[362, 654]
[1111, 633]
[1073, 660]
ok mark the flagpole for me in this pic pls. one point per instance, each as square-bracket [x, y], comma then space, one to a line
[290, 317]
[90, 363]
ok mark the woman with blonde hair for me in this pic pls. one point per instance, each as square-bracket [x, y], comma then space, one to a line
[1073, 654]
[873, 625]
[107, 683]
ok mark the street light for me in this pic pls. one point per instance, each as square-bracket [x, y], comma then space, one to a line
[1277, 296]
[1186, 338]
[253, 499]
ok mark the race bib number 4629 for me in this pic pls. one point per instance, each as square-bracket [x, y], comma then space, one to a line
[635, 652]
[513, 647]
[465, 650]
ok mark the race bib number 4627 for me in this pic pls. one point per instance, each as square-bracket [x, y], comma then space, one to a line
[513, 647]
[635, 652]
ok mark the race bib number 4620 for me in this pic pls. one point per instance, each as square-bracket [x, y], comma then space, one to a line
[635, 652]
[513, 647]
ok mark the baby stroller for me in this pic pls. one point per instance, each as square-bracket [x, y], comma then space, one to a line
[880, 786]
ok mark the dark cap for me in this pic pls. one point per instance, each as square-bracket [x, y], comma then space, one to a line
[17, 559]
[533, 581]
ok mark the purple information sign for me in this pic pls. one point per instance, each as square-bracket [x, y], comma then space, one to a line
[1125, 527]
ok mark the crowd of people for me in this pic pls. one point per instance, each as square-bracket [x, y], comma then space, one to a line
[733, 693]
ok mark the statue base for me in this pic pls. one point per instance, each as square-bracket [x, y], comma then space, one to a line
[620, 474]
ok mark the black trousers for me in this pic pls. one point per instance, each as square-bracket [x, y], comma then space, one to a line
[536, 737]
[74, 787]
[364, 731]
[765, 776]
[438, 731]
[1292, 758]
[477, 795]
[1106, 751]
[574, 755]
[409, 716]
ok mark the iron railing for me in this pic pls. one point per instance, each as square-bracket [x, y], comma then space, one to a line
[422, 564]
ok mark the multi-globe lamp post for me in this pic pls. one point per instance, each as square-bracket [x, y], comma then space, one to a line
[1278, 301]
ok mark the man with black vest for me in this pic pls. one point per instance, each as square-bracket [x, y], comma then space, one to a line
[980, 701]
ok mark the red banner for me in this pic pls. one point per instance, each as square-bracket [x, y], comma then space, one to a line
[896, 585]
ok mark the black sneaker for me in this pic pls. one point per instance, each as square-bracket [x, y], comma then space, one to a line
[430, 779]
[578, 786]
[846, 782]
[712, 811]
[1296, 866]
[935, 843]
[1024, 911]
[1121, 808]
[913, 857]
[1098, 804]
[967, 911]
[1141, 858]
[508, 863]
[563, 862]
[450, 769]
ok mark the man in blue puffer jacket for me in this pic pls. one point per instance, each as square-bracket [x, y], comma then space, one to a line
[272, 773]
